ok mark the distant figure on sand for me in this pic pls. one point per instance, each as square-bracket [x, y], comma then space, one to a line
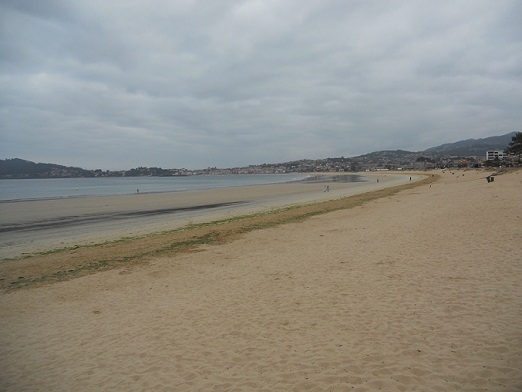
[326, 188]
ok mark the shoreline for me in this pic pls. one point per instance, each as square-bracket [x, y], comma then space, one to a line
[70, 260]
[308, 178]
[37, 226]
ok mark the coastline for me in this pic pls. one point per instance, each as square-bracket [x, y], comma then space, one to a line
[37, 189]
[82, 187]
[35, 226]
[418, 290]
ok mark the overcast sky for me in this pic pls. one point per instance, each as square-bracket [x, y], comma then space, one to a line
[196, 83]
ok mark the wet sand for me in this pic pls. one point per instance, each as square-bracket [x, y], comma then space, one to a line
[416, 291]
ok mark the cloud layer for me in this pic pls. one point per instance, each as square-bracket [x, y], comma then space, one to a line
[193, 83]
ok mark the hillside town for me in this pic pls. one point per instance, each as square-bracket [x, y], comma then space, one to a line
[495, 151]
[376, 161]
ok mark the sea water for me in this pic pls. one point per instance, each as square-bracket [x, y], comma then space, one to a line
[34, 189]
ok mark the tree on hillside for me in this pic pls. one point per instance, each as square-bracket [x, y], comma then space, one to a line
[515, 145]
[493, 162]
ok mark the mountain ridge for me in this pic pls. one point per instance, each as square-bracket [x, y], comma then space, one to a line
[473, 147]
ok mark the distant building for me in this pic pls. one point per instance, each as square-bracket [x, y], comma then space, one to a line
[494, 154]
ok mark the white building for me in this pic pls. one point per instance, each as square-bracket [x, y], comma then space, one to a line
[493, 154]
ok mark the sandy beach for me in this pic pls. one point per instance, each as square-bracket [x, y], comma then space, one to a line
[33, 226]
[416, 291]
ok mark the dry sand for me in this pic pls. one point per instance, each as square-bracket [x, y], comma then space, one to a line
[417, 291]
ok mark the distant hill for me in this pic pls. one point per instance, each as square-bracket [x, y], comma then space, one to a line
[396, 154]
[20, 168]
[440, 156]
[471, 147]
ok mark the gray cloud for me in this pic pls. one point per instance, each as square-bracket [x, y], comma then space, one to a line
[227, 83]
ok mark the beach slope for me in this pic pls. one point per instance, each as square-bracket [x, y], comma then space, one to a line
[419, 290]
